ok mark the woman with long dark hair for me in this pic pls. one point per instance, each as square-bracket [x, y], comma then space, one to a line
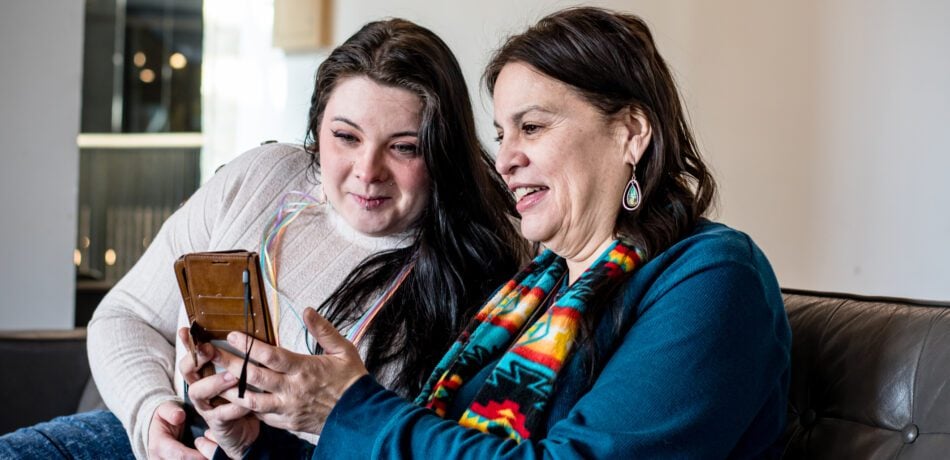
[643, 330]
[391, 199]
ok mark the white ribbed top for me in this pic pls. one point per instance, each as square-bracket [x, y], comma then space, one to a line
[131, 340]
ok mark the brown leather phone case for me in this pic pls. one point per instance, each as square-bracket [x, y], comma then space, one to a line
[223, 292]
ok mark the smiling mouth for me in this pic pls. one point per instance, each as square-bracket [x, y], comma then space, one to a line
[522, 192]
[369, 202]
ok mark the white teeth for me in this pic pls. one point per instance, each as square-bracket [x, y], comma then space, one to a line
[521, 192]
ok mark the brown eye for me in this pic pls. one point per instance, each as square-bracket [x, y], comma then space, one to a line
[529, 128]
[406, 149]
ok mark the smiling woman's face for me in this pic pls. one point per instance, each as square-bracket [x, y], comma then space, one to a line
[373, 174]
[565, 162]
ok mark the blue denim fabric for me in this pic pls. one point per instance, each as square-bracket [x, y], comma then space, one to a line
[89, 435]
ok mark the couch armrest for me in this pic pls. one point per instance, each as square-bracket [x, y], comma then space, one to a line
[44, 375]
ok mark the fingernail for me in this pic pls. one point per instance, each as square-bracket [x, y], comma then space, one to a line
[228, 377]
[232, 338]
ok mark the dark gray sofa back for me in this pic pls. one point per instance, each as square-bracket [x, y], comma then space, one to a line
[870, 377]
[44, 374]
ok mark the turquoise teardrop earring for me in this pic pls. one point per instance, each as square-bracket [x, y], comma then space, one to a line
[631, 194]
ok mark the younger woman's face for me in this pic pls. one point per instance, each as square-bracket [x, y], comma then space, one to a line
[373, 174]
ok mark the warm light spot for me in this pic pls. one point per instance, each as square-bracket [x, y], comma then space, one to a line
[145, 242]
[177, 61]
[139, 59]
[147, 76]
[110, 257]
[77, 257]
[85, 242]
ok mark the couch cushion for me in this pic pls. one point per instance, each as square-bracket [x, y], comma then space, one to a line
[870, 377]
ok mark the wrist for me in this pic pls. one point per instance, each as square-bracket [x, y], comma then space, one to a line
[251, 435]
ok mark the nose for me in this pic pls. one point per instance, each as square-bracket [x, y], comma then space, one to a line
[370, 166]
[509, 158]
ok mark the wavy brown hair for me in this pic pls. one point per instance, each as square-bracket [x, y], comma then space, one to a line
[609, 58]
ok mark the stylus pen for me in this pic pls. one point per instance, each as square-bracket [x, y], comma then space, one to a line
[246, 279]
[242, 381]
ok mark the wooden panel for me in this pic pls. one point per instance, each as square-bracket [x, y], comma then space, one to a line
[302, 25]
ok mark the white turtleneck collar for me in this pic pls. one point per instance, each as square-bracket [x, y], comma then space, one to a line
[373, 243]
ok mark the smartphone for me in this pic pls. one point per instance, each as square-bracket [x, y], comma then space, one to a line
[223, 292]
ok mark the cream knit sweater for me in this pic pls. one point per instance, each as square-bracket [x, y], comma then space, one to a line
[131, 337]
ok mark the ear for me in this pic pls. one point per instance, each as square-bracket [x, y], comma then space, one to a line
[637, 134]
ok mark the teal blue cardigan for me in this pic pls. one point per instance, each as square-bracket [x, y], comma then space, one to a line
[694, 365]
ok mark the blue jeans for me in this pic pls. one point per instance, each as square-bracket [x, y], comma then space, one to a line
[89, 435]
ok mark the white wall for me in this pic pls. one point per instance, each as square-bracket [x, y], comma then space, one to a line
[40, 77]
[824, 121]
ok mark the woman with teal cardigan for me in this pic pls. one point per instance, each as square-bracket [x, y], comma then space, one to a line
[643, 330]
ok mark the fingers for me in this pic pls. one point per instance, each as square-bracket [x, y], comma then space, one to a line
[184, 338]
[224, 414]
[224, 384]
[187, 369]
[187, 366]
[260, 377]
[170, 413]
[201, 349]
[165, 446]
[264, 353]
[167, 423]
[254, 401]
[206, 446]
[326, 335]
[202, 391]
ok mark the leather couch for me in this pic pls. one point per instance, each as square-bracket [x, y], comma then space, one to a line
[44, 374]
[870, 377]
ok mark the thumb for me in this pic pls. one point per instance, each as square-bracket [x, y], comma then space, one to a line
[326, 335]
[171, 413]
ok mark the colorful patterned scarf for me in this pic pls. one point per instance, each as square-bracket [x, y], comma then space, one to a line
[511, 403]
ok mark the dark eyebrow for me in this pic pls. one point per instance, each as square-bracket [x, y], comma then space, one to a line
[349, 122]
[404, 133]
[360, 129]
[519, 115]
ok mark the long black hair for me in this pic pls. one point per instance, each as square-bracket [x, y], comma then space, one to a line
[464, 244]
